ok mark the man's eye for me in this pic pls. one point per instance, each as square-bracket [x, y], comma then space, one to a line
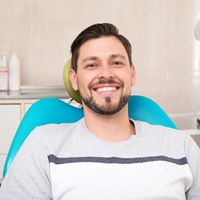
[117, 63]
[92, 65]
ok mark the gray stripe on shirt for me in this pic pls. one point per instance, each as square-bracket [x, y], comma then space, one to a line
[110, 160]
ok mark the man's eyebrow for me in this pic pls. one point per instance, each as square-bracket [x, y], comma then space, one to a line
[90, 58]
[117, 56]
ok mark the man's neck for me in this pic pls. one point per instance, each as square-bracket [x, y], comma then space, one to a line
[113, 128]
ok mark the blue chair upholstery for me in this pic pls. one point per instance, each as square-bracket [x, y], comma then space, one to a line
[52, 110]
[145, 109]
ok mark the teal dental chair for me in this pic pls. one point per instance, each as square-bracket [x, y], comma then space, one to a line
[52, 110]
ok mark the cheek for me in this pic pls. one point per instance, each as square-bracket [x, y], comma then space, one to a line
[127, 78]
[86, 78]
[83, 83]
[128, 81]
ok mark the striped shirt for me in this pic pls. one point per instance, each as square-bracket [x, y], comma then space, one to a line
[67, 161]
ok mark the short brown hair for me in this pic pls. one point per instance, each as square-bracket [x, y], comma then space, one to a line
[97, 31]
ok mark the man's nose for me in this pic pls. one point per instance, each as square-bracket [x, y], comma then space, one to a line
[106, 72]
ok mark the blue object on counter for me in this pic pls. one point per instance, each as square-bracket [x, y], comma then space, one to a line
[53, 110]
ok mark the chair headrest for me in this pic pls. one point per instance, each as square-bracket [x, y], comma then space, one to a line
[72, 93]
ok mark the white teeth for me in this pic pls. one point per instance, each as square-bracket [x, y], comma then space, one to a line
[106, 89]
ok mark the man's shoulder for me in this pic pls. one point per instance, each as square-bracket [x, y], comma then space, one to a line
[51, 131]
[52, 127]
[158, 130]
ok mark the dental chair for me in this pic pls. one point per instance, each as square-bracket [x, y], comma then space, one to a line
[52, 110]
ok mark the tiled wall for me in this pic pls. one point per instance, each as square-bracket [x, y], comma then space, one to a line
[161, 32]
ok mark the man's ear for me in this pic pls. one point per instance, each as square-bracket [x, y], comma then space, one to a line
[133, 75]
[73, 79]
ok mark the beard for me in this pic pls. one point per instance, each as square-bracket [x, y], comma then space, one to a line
[109, 108]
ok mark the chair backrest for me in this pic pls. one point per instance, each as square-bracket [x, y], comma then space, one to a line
[52, 110]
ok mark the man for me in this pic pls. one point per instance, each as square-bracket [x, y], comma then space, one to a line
[106, 155]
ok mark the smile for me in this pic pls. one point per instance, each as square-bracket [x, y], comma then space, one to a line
[106, 89]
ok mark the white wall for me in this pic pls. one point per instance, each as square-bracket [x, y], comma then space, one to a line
[161, 33]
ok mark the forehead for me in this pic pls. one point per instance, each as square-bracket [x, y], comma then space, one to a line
[101, 47]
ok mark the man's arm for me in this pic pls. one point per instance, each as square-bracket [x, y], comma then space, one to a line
[28, 175]
[193, 157]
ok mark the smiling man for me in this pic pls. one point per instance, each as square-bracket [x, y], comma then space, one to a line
[104, 77]
[106, 155]
[108, 70]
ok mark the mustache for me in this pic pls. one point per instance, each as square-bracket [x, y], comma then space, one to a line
[106, 81]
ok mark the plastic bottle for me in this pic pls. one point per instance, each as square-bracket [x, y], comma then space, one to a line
[3, 72]
[14, 73]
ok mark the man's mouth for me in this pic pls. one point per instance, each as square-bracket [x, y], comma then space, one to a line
[106, 89]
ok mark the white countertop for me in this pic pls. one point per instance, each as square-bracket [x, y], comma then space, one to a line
[35, 92]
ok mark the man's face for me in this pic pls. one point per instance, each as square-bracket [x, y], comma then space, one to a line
[104, 76]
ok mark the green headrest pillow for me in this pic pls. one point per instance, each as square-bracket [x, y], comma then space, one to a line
[72, 93]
